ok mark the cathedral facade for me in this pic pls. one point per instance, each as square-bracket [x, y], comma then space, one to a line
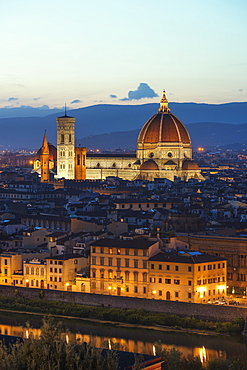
[163, 151]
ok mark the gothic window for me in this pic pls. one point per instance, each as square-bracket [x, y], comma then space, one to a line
[62, 138]
[69, 138]
[78, 159]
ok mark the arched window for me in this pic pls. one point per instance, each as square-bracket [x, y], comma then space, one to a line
[37, 271]
[136, 276]
[27, 270]
[110, 274]
[42, 271]
[32, 271]
[102, 274]
[94, 274]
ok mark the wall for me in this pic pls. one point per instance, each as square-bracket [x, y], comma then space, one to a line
[210, 312]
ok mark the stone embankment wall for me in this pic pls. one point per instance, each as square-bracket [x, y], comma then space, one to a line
[202, 311]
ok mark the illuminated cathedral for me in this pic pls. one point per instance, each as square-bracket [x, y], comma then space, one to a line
[163, 151]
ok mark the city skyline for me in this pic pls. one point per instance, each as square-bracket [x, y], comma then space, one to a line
[106, 52]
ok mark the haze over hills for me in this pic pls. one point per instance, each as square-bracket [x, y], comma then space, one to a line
[208, 124]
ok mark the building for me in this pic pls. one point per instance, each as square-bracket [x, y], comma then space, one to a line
[139, 268]
[163, 151]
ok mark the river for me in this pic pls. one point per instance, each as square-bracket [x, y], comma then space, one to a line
[138, 340]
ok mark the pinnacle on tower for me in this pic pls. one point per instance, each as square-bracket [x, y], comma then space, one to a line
[164, 104]
[45, 145]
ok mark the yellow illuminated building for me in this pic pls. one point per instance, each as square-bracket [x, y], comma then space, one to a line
[187, 276]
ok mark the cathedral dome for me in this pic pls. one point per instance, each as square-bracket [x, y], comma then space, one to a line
[189, 164]
[164, 127]
[52, 151]
[150, 164]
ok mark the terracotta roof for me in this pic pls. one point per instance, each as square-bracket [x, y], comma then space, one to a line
[164, 127]
[150, 164]
[52, 151]
[189, 164]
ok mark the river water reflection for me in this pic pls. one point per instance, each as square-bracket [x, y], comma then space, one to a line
[128, 339]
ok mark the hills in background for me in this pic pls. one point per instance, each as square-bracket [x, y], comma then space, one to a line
[112, 126]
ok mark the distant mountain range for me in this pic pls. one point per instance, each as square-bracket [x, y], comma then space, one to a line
[112, 126]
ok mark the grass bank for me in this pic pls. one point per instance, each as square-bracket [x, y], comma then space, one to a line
[129, 316]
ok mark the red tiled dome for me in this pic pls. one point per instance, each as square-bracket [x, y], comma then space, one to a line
[189, 164]
[52, 150]
[150, 164]
[164, 127]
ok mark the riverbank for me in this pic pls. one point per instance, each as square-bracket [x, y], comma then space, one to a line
[120, 317]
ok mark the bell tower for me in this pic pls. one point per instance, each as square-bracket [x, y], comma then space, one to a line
[66, 147]
[44, 165]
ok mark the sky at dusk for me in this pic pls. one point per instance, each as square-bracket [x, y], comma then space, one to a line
[122, 52]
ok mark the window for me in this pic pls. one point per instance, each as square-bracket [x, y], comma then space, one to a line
[160, 280]
[160, 267]
[127, 289]
[102, 274]
[214, 266]
[144, 277]
[135, 252]
[167, 267]
[93, 250]
[190, 282]
[102, 261]
[51, 278]
[144, 253]
[144, 264]
[176, 294]
[60, 271]
[60, 280]
[94, 274]
[152, 280]
[209, 267]
[176, 281]
[135, 276]
[32, 271]
[152, 266]
[135, 289]
[127, 275]
[176, 268]
[118, 262]
[93, 260]
[167, 281]
[101, 250]
[199, 268]
[5, 271]
[189, 268]
[241, 277]
[136, 264]
[160, 292]
[109, 261]
[223, 265]
[127, 252]
[110, 274]
[144, 290]
[37, 282]
[55, 278]
[42, 271]
[199, 282]
[118, 251]
[189, 295]
[55, 270]
[110, 250]
[204, 268]
[5, 262]
[127, 262]
[51, 269]
[37, 271]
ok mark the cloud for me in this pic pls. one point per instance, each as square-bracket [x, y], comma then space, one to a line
[143, 91]
[12, 99]
[36, 99]
[240, 90]
[113, 96]
[75, 101]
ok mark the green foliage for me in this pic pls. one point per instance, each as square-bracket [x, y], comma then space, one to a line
[51, 352]
[132, 316]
